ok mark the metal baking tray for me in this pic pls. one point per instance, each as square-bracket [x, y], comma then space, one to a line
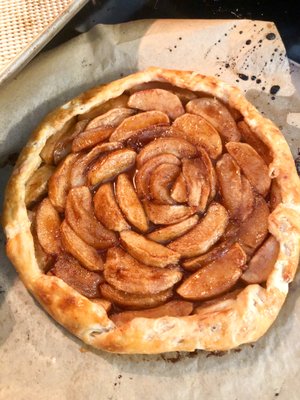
[26, 26]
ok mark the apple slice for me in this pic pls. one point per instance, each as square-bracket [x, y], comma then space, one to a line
[216, 114]
[147, 251]
[179, 190]
[144, 136]
[247, 201]
[59, 183]
[157, 99]
[117, 102]
[254, 229]
[252, 165]
[216, 277]
[171, 232]
[275, 195]
[111, 118]
[103, 303]
[79, 249]
[209, 172]
[48, 150]
[161, 179]
[136, 123]
[164, 214]
[47, 227]
[130, 300]
[80, 216]
[184, 95]
[37, 185]
[71, 272]
[198, 188]
[78, 176]
[111, 165]
[209, 305]
[143, 175]
[249, 137]
[130, 204]
[125, 273]
[230, 180]
[179, 147]
[100, 128]
[204, 235]
[107, 210]
[90, 138]
[262, 263]
[175, 308]
[64, 146]
[199, 132]
[193, 264]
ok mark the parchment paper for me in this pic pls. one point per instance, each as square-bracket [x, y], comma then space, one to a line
[39, 359]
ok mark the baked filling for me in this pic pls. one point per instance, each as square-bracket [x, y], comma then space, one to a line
[155, 203]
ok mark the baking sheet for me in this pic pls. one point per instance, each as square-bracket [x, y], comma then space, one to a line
[39, 359]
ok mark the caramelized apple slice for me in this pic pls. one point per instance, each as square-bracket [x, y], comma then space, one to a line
[47, 227]
[217, 115]
[37, 185]
[59, 183]
[70, 271]
[172, 232]
[262, 263]
[125, 273]
[130, 204]
[252, 165]
[199, 132]
[103, 303]
[247, 201]
[111, 165]
[206, 305]
[208, 172]
[175, 308]
[117, 102]
[64, 146]
[84, 253]
[179, 147]
[197, 185]
[143, 175]
[48, 150]
[144, 136]
[184, 95]
[249, 137]
[80, 216]
[179, 190]
[275, 195]
[161, 179]
[130, 300]
[107, 210]
[205, 234]
[147, 251]
[230, 180]
[100, 128]
[164, 214]
[131, 125]
[193, 264]
[111, 118]
[254, 229]
[78, 175]
[90, 138]
[216, 277]
[157, 99]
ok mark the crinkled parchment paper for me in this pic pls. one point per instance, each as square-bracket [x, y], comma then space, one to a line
[39, 359]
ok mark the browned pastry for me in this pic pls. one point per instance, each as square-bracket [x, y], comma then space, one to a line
[145, 217]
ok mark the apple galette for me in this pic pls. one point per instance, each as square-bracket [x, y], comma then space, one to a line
[159, 212]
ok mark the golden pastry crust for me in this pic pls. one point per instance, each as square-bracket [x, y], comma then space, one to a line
[221, 326]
